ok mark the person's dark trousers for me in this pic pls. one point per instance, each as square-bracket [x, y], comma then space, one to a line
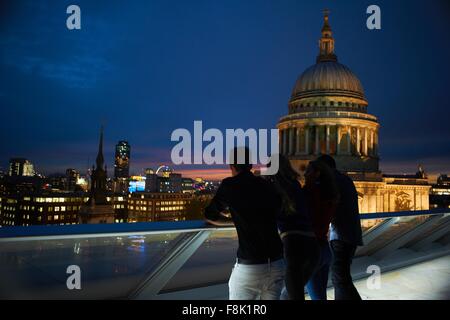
[317, 284]
[301, 255]
[341, 277]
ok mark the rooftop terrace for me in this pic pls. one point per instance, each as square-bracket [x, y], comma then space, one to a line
[191, 260]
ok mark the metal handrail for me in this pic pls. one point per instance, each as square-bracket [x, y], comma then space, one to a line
[47, 232]
[54, 232]
[398, 214]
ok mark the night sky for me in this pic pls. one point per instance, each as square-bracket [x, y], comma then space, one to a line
[145, 68]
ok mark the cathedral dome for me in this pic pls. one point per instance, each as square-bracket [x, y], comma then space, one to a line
[327, 114]
[328, 78]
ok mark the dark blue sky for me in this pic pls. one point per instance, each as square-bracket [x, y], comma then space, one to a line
[145, 68]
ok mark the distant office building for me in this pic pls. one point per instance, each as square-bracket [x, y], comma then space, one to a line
[175, 183]
[443, 180]
[151, 181]
[122, 160]
[165, 181]
[211, 186]
[121, 167]
[56, 181]
[204, 187]
[16, 184]
[73, 177]
[136, 184]
[120, 185]
[187, 185]
[20, 167]
[440, 192]
[41, 208]
[49, 207]
[148, 206]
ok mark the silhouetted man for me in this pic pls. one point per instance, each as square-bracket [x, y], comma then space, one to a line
[345, 234]
[253, 203]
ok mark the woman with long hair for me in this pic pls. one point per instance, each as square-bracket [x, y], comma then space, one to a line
[322, 198]
[301, 250]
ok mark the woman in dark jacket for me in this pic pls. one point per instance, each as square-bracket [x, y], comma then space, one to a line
[322, 198]
[301, 250]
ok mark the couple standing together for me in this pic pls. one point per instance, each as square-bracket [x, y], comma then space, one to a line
[290, 236]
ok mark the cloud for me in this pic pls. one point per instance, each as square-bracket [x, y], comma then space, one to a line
[43, 46]
[78, 70]
[209, 174]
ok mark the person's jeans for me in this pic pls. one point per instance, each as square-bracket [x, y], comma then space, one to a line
[302, 255]
[343, 253]
[317, 285]
[257, 281]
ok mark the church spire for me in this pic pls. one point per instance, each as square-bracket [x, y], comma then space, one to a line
[100, 160]
[326, 42]
[99, 176]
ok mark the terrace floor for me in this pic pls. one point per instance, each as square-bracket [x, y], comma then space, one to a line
[423, 281]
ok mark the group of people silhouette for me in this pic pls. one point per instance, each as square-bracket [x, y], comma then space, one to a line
[290, 235]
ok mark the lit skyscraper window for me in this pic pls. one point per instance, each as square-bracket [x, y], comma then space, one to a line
[122, 160]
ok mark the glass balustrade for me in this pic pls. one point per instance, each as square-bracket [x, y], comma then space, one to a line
[122, 262]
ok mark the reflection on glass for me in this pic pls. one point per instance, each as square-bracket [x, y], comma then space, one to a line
[111, 267]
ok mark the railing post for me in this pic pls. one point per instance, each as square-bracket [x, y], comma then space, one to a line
[169, 266]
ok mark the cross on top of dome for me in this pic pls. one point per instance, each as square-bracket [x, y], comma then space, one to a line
[326, 12]
[326, 43]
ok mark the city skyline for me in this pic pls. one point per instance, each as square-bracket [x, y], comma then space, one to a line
[186, 150]
[143, 78]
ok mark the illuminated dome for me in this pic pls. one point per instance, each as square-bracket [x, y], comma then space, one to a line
[327, 114]
[328, 78]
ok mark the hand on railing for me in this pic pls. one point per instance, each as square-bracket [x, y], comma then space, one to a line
[224, 220]
[226, 214]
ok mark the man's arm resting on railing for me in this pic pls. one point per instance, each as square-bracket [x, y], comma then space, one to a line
[215, 214]
[221, 222]
[215, 211]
